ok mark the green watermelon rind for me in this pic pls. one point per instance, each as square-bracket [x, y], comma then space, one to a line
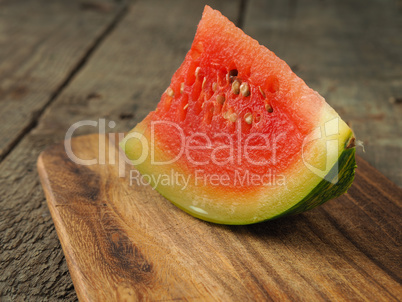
[323, 192]
[327, 190]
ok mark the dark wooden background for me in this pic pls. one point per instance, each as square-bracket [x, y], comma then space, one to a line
[66, 61]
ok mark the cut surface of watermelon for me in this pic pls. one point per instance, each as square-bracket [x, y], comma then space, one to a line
[237, 137]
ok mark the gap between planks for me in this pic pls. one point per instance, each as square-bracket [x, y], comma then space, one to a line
[69, 77]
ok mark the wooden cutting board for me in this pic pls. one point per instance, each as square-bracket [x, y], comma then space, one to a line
[125, 242]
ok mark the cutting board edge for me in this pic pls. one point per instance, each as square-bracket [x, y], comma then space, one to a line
[74, 270]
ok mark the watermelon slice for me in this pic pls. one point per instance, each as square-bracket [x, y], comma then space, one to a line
[237, 137]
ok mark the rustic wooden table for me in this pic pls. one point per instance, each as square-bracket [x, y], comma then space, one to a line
[66, 61]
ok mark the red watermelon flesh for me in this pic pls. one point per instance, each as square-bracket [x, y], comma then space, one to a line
[236, 123]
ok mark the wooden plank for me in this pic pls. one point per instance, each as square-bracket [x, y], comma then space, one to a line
[42, 45]
[124, 240]
[121, 81]
[350, 52]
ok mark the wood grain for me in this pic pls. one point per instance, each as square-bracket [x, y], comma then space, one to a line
[125, 241]
[42, 45]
